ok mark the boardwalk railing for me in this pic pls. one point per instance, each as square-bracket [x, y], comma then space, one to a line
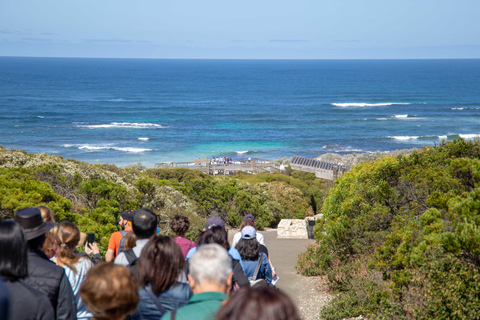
[321, 169]
[252, 166]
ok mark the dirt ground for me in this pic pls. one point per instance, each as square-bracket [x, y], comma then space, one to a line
[307, 292]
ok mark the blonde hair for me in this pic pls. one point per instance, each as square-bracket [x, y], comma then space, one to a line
[109, 291]
[47, 214]
[67, 238]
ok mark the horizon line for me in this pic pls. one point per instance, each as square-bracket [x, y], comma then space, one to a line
[278, 59]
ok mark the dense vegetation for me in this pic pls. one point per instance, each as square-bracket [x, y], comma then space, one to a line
[92, 196]
[400, 237]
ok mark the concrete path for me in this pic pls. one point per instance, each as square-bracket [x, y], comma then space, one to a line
[307, 292]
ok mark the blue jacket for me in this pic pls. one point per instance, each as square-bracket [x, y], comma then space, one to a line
[171, 299]
[265, 271]
[232, 252]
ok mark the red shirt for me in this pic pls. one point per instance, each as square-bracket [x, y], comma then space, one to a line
[184, 244]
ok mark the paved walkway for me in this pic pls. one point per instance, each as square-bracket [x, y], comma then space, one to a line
[306, 292]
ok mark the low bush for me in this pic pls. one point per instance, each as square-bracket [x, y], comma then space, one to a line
[414, 220]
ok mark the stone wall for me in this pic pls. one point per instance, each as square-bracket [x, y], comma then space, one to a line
[292, 229]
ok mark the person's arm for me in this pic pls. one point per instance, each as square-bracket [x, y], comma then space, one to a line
[274, 273]
[66, 307]
[267, 270]
[109, 255]
[236, 238]
[260, 238]
[94, 252]
[239, 276]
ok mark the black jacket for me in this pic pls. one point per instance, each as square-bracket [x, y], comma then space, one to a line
[26, 303]
[49, 278]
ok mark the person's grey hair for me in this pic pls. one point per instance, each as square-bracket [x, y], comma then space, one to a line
[211, 263]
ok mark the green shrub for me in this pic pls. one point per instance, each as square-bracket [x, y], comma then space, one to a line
[413, 219]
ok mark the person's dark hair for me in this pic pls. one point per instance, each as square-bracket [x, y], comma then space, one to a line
[248, 249]
[215, 234]
[262, 303]
[179, 224]
[160, 264]
[144, 223]
[37, 243]
[13, 251]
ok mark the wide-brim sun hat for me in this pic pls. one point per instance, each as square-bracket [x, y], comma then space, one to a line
[30, 220]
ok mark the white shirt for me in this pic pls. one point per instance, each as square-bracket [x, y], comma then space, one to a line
[122, 260]
[238, 236]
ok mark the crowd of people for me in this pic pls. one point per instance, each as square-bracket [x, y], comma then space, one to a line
[146, 275]
[221, 160]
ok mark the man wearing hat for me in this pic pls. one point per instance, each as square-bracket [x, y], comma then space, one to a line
[125, 223]
[43, 274]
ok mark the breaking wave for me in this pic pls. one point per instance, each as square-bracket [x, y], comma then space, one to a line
[355, 104]
[97, 148]
[131, 125]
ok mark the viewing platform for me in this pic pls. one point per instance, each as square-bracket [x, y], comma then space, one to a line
[321, 169]
[253, 166]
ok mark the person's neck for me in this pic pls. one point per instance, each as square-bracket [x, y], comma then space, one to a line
[209, 287]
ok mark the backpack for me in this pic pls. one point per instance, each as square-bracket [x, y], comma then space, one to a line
[122, 241]
[158, 303]
[132, 261]
[253, 280]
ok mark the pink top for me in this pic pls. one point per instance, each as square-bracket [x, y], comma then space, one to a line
[185, 245]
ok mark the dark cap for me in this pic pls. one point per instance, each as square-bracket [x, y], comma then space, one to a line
[127, 215]
[249, 217]
[215, 221]
[30, 220]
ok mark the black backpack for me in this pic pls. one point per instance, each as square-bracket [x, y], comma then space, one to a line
[132, 261]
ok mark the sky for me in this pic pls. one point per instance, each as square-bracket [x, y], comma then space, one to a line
[227, 29]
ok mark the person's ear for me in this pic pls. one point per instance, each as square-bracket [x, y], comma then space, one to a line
[229, 283]
[191, 281]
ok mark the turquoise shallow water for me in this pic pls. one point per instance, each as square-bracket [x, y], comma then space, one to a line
[124, 111]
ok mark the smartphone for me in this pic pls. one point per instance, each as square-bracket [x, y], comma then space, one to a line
[90, 238]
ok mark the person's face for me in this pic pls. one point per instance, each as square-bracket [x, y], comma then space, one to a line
[122, 223]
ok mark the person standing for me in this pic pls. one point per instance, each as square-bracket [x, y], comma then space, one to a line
[179, 225]
[24, 302]
[210, 279]
[144, 226]
[44, 275]
[114, 245]
[76, 266]
[162, 279]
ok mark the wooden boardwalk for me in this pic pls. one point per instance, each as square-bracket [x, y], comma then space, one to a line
[252, 166]
[321, 169]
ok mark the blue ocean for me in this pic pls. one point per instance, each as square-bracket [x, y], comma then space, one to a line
[124, 111]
